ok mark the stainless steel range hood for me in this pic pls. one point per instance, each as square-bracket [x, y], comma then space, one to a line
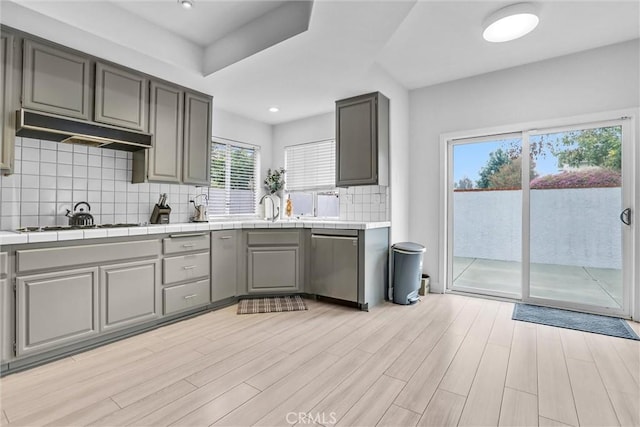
[51, 127]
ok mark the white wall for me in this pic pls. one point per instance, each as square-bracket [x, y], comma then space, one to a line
[593, 81]
[569, 226]
[310, 129]
[233, 127]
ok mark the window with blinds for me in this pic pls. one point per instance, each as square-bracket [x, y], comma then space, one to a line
[311, 177]
[311, 166]
[233, 187]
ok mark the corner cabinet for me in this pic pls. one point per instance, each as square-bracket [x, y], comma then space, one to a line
[121, 98]
[362, 140]
[7, 99]
[273, 261]
[56, 81]
[197, 140]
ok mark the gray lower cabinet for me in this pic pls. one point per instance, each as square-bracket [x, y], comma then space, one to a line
[362, 140]
[121, 98]
[55, 309]
[7, 94]
[56, 81]
[185, 297]
[273, 269]
[224, 264]
[196, 162]
[129, 294]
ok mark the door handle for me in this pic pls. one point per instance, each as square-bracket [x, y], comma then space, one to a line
[625, 216]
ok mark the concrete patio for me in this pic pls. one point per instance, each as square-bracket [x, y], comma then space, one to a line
[585, 285]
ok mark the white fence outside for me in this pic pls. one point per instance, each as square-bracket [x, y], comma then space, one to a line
[579, 227]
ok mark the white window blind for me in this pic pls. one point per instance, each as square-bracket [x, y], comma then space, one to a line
[233, 187]
[311, 166]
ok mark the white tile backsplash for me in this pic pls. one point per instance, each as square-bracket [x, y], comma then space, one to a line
[364, 203]
[51, 177]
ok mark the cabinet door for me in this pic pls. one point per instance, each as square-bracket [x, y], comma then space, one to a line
[55, 309]
[121, 98]
[356, 141]
[6, 320]
[7, 131]
[55, 81]
[129, 294]
[224, 264]
[334, 267]
[273, 269]
[197, 140]
[165, 157]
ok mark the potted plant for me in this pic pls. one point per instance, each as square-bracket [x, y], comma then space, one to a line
[274, 182]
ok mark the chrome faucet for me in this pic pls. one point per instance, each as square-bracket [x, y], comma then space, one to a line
[274, 214]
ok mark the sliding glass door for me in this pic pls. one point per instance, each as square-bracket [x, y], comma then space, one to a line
[487, 216]
[541, 216]
[577, 228]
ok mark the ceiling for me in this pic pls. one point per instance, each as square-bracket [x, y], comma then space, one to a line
[251, 56]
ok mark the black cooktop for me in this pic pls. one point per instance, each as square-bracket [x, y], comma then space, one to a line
[73, 227]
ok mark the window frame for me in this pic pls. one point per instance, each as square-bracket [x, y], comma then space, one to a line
[315, 191]
[229, 143]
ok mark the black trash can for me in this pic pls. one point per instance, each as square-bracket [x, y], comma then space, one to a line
[407, 272]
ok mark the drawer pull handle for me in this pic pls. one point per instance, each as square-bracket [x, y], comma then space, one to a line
[189, 267]
[225, 237]
[188, 245]
[180, 236]
[190, 296]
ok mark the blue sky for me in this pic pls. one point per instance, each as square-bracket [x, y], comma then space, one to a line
[468, 159]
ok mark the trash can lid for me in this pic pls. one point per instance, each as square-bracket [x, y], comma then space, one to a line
[409, 247]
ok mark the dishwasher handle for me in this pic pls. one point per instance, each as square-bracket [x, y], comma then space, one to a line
[324, 236]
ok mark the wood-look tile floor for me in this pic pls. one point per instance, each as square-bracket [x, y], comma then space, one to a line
[449, 360]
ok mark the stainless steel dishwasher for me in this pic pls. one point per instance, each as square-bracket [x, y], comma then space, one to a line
[334, 264]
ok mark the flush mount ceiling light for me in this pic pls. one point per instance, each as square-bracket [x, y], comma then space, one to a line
[187, 4]
[274, 109]
[510, 23]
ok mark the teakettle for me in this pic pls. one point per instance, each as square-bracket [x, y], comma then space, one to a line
[81, 217]
[200, 210]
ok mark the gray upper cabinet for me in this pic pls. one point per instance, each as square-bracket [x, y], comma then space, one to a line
[129, 294]
[362, 140]
[54, 309]
[121, 98]
[197, 140]
[164, 159]
[8, 93]
[224, 264]
[56, 81]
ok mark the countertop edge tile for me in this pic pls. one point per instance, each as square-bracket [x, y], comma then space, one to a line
[14, 238]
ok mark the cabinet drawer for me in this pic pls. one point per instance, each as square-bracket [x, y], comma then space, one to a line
[270, 238]
[4, 266]
[71, 256]
[184, 297]
[188, 243]
[185, 267]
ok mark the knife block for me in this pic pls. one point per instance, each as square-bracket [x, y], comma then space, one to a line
[160, 215]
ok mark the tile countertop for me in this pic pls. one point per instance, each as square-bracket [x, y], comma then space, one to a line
[17, 238]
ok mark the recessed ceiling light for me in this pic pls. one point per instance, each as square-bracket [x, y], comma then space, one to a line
[187, 4]
[510, 23]
[274, 109]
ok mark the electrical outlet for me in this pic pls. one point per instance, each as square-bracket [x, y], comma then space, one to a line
[376, 198]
